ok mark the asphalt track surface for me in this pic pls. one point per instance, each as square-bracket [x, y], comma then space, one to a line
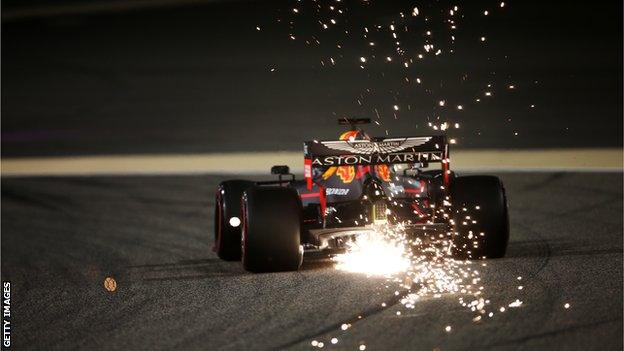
[63, 236]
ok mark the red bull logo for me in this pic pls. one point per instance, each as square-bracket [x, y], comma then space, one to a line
[383, 172]
[346, 173]
[349, 135]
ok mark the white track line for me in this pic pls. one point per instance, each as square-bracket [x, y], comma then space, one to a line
[245, 163]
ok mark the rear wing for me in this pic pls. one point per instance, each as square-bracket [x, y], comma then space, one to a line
[389, 151]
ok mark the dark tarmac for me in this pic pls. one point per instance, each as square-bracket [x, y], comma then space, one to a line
[61, 237]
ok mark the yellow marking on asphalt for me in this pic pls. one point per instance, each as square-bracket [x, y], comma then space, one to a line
[543, 159]
[261, 162]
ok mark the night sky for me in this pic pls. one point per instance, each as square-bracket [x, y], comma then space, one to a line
[198, 78]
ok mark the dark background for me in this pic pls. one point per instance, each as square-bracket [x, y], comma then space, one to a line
[196, 77]
[91, 78]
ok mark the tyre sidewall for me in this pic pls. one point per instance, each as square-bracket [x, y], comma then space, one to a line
[492, 217]
[271, 229]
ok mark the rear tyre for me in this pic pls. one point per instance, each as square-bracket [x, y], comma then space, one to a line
[481, 199]
[227, 214]
[271, 229]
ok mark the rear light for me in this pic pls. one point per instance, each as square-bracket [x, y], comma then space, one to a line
[380, 212]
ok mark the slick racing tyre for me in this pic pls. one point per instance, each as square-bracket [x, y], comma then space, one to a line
[480, 217]
[271, 229]
[228, 220]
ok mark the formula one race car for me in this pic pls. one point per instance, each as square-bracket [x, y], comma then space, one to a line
[351, 185]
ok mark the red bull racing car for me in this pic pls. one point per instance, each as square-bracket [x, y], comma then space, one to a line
[351, 185]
